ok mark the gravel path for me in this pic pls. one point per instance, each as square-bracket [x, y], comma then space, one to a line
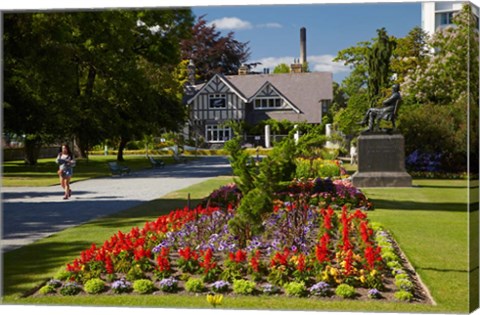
[32, 213]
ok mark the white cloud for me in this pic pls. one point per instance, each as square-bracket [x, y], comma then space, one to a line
[326, 63]
[231, 23]
[315, 63]
[270, 25]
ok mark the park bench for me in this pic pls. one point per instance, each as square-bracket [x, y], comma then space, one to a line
[156, 163]
[118, 169]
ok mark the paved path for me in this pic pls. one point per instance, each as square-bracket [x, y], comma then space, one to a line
[32, 213]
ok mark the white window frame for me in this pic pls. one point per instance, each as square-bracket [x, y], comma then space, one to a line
[273, 102]
[217, 133]
[213, 97]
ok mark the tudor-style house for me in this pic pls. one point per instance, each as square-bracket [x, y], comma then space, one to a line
[297, 97]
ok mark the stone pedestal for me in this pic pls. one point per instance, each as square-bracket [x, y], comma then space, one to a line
[381, 161]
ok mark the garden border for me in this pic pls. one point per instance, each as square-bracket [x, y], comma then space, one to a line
[421, 290]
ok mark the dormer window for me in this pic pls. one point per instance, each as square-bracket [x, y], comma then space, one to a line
[268, 103]
[217, 100]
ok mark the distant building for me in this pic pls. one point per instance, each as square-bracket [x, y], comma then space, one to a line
[297, 96]
[437, 15]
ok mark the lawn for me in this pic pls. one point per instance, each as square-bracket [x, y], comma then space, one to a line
[16, 173]
[429, 221]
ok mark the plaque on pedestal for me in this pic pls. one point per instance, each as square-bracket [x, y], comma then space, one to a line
[381, 161]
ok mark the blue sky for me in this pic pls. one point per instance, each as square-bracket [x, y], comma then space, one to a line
[273, 31]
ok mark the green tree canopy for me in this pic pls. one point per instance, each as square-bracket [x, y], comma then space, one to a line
[282, 68]
[93, 75]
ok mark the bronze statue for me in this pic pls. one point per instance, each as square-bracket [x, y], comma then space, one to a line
[387, 112]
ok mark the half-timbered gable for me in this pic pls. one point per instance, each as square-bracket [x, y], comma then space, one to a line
[269, 97]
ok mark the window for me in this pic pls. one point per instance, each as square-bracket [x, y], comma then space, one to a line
[217, 100]
[324, 104]
[215, 133]
[446, 18]
[268, 103]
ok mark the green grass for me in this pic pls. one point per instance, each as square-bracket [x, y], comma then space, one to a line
[428, 220]
[16, 173]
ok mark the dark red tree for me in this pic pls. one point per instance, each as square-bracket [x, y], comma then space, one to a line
[212, 53]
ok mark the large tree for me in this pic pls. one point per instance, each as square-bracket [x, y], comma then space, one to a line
[38, 86]
[378, 60]
[452, 66]
[446, 86]
[93, 75]
[213, 53]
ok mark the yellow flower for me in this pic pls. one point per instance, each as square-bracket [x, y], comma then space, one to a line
[334, 271]
[215, 299]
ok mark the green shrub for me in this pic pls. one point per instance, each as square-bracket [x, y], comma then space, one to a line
[345, 291]
[242, 286]
[70, 288]
[194, 285]
[143, 286]
[394, 265]
[401, 276]
[135, 273]
[46, 289]
[295, 289]
[403, 296]
[62, 275]
[404, 284]
[389, 256]
[94, 286]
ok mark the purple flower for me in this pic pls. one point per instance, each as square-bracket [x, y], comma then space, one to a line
[220, 286]
[374, 294]
[168, 284]
[321, 288]
[121, 285]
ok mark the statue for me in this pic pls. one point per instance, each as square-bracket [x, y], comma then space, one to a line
[387, 112]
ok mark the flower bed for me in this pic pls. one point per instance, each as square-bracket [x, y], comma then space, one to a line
[310, 246]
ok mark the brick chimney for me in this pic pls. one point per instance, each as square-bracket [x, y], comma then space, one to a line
[297, 66]
[191, 72]
[303, 45]
[243, 70]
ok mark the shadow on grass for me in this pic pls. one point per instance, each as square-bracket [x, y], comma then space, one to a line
[441, 270]
[420, 206]
[27, 267]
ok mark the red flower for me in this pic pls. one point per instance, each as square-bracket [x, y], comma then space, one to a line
[207, 262]
[109, 265]
[301, 263]
[255, 261]
[321, 249]
[348, 262]
[372, 255]
[365, 232]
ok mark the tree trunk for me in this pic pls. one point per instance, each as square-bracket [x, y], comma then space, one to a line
[121, 147]
[32, 150]
[80, 147]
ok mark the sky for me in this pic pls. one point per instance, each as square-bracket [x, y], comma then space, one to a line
[273, 31]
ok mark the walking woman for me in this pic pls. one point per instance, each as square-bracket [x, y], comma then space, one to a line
[65, 170]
